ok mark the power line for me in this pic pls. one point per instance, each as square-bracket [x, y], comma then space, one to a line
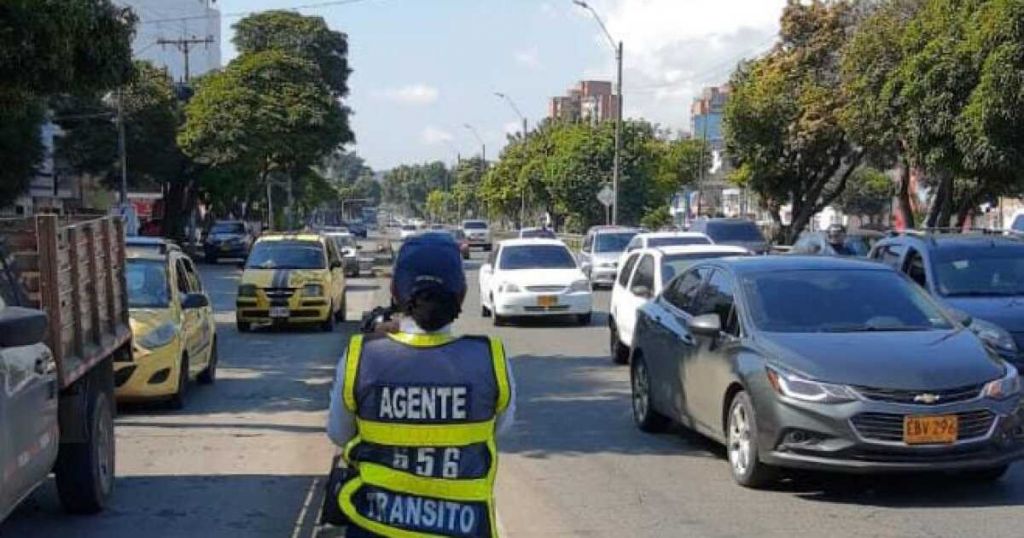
[311, 5]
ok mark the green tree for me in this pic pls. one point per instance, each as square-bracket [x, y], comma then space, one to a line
[868, 194]
[267, 112]
[782, 123]
[438, 205]
[49, 47]
[657, 218]
[408, 186]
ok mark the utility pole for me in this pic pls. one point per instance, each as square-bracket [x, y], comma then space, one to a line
[617, 47]
[185, 44]
[700, 180]
[522, 194]
[122, 152]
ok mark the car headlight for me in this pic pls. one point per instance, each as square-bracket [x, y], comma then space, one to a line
[580, 285]
[799, 388]
[159, 337]
[312, 290]
[1004, 387]
[994, 335]
[247, 290]
[509, 287]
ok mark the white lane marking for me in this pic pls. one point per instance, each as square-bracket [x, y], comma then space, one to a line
[297, 529]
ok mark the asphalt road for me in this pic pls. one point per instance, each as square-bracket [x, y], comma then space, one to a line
[246, 457]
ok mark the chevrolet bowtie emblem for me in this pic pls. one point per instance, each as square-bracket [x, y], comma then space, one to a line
[927, 398]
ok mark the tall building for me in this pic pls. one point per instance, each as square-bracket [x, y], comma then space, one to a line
[590, 100]
[706, 115]
[169, 29]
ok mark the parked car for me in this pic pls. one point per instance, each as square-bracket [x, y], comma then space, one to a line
[602, 248]
[479, 233]
[667, 239]
[537, 233]
[642, 275]
[738, 232]
[354, 264]
[228, 239]
[980, 276]
[57, 399]
[823, 363]
[292, 278]
[173, 328]
[407, 231]
[857, 241]
[534, 277]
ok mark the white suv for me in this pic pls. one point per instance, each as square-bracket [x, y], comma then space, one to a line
[641, 277]
[478, 233]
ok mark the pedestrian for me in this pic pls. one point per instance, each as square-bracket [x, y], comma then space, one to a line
[417, 410]
[836, 238]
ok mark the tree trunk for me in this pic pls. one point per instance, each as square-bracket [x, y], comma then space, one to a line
[903, 196]
[940, 210]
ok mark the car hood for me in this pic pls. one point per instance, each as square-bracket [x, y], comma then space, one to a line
[757, 247]
[283, 278]
[606, 257]
[893, 360]
[1006, 312]
[143, 320]
[542, 277]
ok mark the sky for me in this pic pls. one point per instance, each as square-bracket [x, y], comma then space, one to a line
[424, 69]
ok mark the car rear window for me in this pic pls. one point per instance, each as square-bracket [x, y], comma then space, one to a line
[228, 228]
[536, 257]
[734, 231]
[613, 242]
[474, 225]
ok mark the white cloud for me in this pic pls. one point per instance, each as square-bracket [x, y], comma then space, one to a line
[413, 94]
[529, 58]
[432, 135]
[673, 48]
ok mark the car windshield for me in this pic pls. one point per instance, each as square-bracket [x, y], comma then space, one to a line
[344, 241]
[228, 228]
[147, 283]
[474, 225]
[981, 272]
[612, 242]
[536, 257]
[808, 301]
[287, 255]
[677, 240]
[540, 233]
[677, 263]
[734, 231]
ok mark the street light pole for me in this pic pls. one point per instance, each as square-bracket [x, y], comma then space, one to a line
[617, 162]
[522, 194]
[483, 146]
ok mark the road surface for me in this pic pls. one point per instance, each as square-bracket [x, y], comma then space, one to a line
[246, 457]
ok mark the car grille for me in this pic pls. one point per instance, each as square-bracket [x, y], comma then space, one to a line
[559, 308]
[546, 289]
[279, 296]
[944, 396]
[888, 427]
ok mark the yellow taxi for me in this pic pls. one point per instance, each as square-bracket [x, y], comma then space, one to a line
[292, 278]
[174, 332]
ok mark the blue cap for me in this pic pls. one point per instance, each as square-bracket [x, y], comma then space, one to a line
[425, 261]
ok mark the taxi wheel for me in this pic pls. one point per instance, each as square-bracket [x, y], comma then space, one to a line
[342, 312]
[327, 325]
[177, 400]
[209, 375]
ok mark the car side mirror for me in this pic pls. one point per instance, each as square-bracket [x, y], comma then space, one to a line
[193, 301]
[22, 326]
[642, 291]
[335, 265]
[962, 317]
[706, 325]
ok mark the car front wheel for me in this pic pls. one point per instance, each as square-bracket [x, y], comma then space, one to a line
[741, 434]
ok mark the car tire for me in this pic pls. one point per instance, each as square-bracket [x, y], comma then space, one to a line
[644, 415]
[177, 400]
[243, 326]
[498, 320]
[484, 312]
[584, 320]
[209, 375]
[342, 314]
[619, 351]
[327, 325]
[741, 444]
[85, 471]
[211, 258]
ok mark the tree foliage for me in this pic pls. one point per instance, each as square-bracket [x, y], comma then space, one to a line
[868, 194]
[49, 47]
[408, 186]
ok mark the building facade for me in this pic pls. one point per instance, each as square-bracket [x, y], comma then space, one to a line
[591, 100]
[168, 30]
[706, 114]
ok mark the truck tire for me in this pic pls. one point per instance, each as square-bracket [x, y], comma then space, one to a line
[85, 471]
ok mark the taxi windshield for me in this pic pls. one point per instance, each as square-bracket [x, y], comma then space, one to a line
[287, 255]
[147, 283]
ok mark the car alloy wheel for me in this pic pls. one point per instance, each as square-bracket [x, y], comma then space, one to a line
[641, 392]
[739, 440]
[741, 435]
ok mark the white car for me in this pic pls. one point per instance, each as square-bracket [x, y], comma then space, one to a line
[667, 239]
[407, 231]
[478, 233]
[642, 275]
[534, 277]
